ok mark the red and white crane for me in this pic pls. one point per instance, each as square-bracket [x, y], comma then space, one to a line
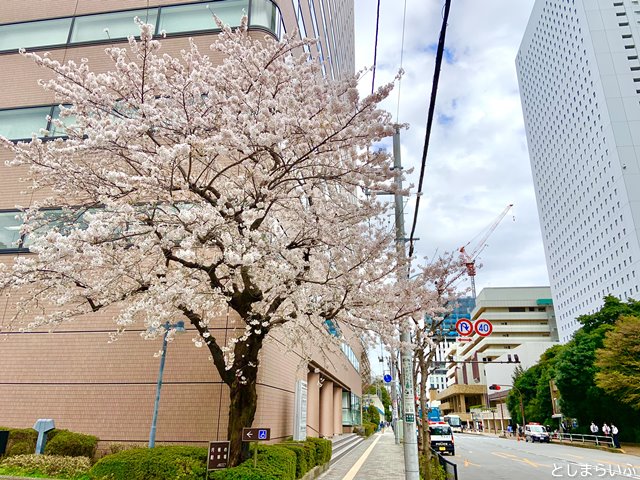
[469, 257]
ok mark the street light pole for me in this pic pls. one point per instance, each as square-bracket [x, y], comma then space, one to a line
[412, 470]
[179, 327]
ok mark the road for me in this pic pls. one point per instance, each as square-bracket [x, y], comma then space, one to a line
[484, 457]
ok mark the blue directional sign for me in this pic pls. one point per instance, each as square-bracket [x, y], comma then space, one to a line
[255, 434]
[387, 378]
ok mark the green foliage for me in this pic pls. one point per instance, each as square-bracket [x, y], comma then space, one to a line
[22, 441]
[575, 375]
[371, 415]
[70, 444]
[323, 449]
[610, 312]
[436, 470]
[618, 362]
[369, 428]
[184, 463]
[275, 462]
[46, 465]
[305, 457]
[285, 461]
[380, 389]
[534, 385]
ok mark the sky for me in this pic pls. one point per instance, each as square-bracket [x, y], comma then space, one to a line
[478, 161]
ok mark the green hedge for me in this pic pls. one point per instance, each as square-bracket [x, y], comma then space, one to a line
[46, 466]
[275, 462]
[305, 457]
[70, 444]
[369, 429]
[286, 461]
[185, 463]
[22, 441]
[323, 449]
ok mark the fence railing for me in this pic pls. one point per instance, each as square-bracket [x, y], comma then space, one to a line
[598, 440]
[450, 468]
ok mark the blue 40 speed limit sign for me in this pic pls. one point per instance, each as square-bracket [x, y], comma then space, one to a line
[483, 327]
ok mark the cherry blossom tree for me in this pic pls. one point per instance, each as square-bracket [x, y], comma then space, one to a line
[186, 187]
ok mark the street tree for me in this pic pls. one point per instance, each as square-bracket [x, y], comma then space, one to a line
[185, 188]
[618, 362]
[444, 274]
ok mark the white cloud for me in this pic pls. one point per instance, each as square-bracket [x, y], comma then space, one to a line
[478, 160]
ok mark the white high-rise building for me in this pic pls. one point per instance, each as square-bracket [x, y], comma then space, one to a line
[579, 78]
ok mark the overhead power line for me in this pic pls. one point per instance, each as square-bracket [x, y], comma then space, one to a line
[375, 49]
[432, 106]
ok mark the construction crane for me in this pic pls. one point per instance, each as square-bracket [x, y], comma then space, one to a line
[469, 258]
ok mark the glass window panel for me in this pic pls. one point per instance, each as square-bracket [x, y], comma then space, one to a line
[120, 25]
[59, 131]
[21, 123]
[10, 224]
[191, 18]
[264, 13]
[62, 221]
[34, 34]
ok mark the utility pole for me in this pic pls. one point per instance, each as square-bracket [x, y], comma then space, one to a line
[412, 470]
[394, 396]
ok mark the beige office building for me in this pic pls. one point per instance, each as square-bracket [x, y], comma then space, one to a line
[73, 374]
[523, 326]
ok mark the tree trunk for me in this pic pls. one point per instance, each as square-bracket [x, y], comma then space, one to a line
[243, 396]
[242, 409]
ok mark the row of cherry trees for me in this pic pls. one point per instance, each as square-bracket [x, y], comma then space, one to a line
[189, 187]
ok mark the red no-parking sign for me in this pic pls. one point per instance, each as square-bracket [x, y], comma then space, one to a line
[483, 327]
[464, 327]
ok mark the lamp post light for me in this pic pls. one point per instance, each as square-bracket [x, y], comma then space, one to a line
[178, 327]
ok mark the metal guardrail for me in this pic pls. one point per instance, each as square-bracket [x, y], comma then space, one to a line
[450, 468]
[597, 440]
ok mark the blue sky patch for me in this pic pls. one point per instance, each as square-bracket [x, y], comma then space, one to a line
[447, 54]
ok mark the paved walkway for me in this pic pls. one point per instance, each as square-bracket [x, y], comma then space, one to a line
[378, 457]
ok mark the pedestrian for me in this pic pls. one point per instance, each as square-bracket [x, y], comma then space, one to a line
[594, 428]
[614, 433]
[509, 430]
[606, 430]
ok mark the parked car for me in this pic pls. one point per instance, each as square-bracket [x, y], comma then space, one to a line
[535, 432]
[441, 437]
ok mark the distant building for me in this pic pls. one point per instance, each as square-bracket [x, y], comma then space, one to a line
[447, 330]
[579, 77]
[523, 320]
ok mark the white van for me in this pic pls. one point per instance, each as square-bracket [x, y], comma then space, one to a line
[534, 432]
[441, 437]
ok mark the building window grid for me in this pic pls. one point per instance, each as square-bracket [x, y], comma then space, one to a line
[274, 23]
[534, 109]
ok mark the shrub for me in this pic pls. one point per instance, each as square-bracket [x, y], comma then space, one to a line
[49, 465]
[184, 463]
[22, 441]
[275, 462]
[71, 444]
[437, 471]
[323, 449]
[369, 428]
[303, 462]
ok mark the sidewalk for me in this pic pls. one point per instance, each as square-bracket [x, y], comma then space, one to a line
[375, 458]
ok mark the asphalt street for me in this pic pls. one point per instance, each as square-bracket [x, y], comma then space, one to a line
[485, 457]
